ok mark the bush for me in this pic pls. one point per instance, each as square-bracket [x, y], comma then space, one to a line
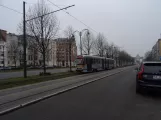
[70, 71]
[44, 74]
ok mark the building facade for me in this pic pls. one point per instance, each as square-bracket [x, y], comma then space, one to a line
[58, 54]
[63, 53]
[3, 48]
[138, 59]
[156, 51]
[12, 48]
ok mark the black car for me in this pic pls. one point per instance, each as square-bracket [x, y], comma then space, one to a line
[148, 76]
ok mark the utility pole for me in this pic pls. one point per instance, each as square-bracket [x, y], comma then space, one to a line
[3, 59]
[42, 37]
[24, 40]
[70, 53]
[80, 34]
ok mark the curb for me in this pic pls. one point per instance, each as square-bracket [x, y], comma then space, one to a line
[56, 93]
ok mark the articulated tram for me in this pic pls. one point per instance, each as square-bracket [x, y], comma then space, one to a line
[87, 63]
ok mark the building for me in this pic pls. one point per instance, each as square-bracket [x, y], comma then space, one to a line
[32, 51]
[62, 52]
[3, 48]
[11, 51]
[50, 55]
[138, 59]
[156, 51]
[13, 55]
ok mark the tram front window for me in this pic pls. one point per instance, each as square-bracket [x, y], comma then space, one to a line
[79, 61]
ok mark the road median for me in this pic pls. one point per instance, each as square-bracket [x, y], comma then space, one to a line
[20, 81]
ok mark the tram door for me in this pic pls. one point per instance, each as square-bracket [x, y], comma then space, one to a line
[103, 64]
[89, 64]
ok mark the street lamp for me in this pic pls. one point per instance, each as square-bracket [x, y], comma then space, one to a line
[80, 35]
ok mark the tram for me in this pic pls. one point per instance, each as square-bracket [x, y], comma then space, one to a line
[87, 63]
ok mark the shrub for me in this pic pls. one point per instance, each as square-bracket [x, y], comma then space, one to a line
[44, 74]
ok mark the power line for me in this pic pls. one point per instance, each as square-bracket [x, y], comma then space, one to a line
[50, 12]
[73, 17]
[10, 9]
[41, 4]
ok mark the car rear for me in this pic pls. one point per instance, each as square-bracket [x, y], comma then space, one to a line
[149, 76]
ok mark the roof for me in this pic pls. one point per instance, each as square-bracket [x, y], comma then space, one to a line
[3, 34]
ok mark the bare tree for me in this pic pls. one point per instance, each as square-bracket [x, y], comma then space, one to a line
[107, 54]
[33, 47]
[13, 51]
[99, 45]
[69, 34]
[148, 56]
[43, 28]
[87, 42]
[125, 58]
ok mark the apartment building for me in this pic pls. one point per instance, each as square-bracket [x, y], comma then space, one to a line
[156, 51]
[11, 51]
[62, 52]
[50, 55]
[3, 49]
[12, 48]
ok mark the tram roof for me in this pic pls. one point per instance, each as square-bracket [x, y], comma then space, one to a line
[90, 56]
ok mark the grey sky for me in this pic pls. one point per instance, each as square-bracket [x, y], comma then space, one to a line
[134, 25]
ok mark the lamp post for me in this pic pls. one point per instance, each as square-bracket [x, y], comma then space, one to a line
[80, 35]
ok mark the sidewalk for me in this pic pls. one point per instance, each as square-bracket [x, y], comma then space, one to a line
[21, 96]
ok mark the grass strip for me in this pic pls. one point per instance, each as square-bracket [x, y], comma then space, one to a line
[20, 81]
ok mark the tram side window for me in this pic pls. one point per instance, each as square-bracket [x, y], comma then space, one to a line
[91, 60]
[85, 61]
[88, 60]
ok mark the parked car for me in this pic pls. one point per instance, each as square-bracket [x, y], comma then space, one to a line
[5, 68]
[148, 76]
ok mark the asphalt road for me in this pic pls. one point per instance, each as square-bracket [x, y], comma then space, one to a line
[112, 98]
[5, 75]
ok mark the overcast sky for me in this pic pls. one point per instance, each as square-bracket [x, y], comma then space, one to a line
[134, 25]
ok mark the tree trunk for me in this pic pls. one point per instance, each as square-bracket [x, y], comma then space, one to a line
[34, 58]
[70, 56]
[44, 59]
[15, 64]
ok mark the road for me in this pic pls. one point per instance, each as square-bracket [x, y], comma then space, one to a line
[111, 98]
[5, 75]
